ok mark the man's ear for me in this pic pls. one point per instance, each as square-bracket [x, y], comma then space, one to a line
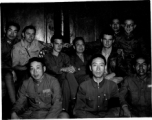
[148, 66]
[135, 26]
[113, 40]
[5, 30]
[110, 25]
[73, 47]
[44, 68]
[90, 68]
[23, 35]
[51, 44]
[101, 39]
[134, 67]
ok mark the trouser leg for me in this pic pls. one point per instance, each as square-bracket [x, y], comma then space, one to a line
[21, 76]
[10, 86]
[66, 95]
[72, 84]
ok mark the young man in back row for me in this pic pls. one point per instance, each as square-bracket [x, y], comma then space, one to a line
[59, 65]
[130, 44]
[10, 39]
[113, 68]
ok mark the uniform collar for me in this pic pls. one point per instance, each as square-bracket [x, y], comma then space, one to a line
[42, 79]
[24, 43]
[95, 84]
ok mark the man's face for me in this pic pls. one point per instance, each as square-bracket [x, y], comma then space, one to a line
[11, 32]
[97, 67]
[57, 45]
[115, 25]
[29, 35]
[107, 41]
[141, 67]
[79, 46]
[129, 26]
[37, 70]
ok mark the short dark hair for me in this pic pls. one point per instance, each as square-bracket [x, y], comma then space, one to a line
[107, 31]
[29, 27]
[130, 17]
[11, 23]
[56, 37]
[96, 56]
[113, 18]
[146, 58]
[78, 38]
[35, 59]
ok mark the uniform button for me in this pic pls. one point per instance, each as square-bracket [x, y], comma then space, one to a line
[98, 96]
[98, 106]
[39, 102]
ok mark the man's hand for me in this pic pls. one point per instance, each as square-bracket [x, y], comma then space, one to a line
[117, 79]
[66, 45]
[42, 53]
[69, 69]
[19, 67]
[113, 78]
[110, 76]
[127, 113]
[14, 116]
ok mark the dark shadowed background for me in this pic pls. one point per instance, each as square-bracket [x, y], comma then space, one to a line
[73, 19]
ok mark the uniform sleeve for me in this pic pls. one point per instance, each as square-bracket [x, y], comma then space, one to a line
[56, 101]
[79, 110]
[15, 56]
[22, 99]
[123, 92]
[115, 92]
[114, 96]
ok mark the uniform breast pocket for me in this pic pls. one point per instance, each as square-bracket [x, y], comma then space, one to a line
[35, 52]
[90, 101]
[22, 52]
[47, 97]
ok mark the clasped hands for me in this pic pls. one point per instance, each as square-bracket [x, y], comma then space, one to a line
[69, 69]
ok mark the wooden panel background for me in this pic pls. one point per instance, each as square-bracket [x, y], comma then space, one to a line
[72, 19]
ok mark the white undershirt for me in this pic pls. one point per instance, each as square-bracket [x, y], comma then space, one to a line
[106, 53]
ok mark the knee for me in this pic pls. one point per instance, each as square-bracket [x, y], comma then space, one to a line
[63, 115]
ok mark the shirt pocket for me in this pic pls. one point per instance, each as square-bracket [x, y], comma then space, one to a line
[35, 52]
[22, 52]
[90, 101]
[47, 97]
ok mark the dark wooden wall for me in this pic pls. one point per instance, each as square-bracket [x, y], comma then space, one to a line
[72, 19]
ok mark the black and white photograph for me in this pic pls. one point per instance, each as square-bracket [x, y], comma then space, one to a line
[76, 59]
